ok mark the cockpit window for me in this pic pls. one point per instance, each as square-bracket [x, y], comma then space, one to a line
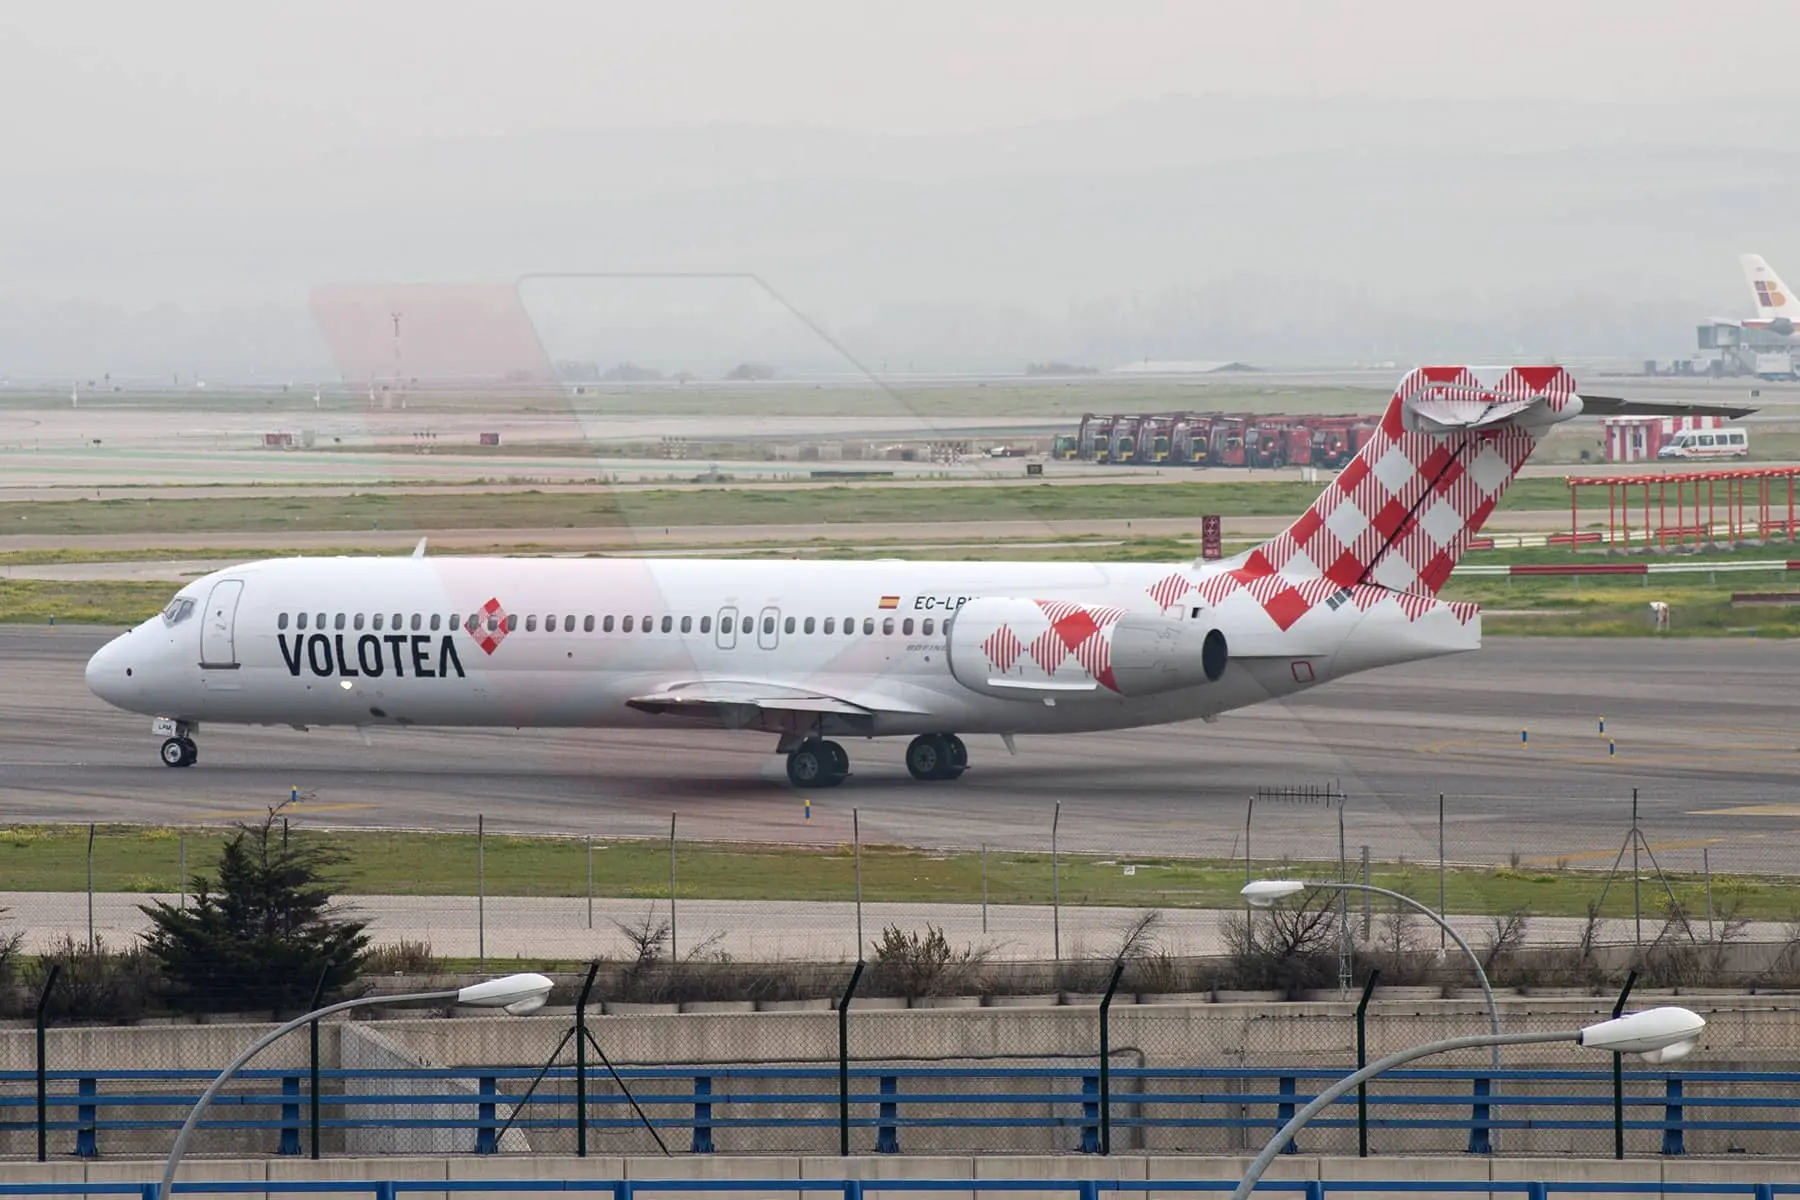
[179, 610]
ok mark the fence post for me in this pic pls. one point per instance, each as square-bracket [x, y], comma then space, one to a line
[1362, 1060]
[87, 1138]
[312, 1051]
[702, 1142]
[581, 1104]
[487, 1140]
[887, 1132]
[1090, 1114]
[1674, 1113]
[844, 1060]
[290, 1116]
[43, 1074]
[1284, 1112]
[1112, 985]
[1619, 1066]
[1480, 1135]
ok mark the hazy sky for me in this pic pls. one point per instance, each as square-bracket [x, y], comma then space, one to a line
[104, 80]
[1114, 178]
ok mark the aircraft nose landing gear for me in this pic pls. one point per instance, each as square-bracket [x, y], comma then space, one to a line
[178, 749]
[937, 756]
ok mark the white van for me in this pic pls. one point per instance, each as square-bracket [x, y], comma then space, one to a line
[1731, 441]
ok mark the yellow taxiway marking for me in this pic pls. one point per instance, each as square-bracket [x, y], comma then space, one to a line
[1749, 810]
[296, 809]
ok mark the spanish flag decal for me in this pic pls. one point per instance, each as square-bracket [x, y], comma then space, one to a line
[890, 602]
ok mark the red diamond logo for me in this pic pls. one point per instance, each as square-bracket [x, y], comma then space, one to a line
[488, 626]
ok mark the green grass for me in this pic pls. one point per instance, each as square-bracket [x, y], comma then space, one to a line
[144, 859]
[724, 505]
[81, 602]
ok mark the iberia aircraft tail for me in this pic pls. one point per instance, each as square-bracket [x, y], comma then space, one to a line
[1775, 301]
[1403, 511]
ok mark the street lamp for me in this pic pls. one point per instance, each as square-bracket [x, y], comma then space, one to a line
[1263, 893]
[1659, 1035]
[515, 994]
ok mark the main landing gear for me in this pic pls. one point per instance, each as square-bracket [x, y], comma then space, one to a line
[937, 756]
[815, 763]
[178, 750]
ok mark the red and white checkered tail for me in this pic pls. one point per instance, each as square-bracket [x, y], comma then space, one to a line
[1403, 511]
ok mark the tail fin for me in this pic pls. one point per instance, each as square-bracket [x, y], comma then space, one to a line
[1403, 511]
[1773, 298]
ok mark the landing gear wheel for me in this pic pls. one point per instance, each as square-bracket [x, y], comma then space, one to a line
[936, 756]
[180, 752]
[839, 763]
[813, 764]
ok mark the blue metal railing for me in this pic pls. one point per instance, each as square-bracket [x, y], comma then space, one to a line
[711, 1103]
[852, 1189]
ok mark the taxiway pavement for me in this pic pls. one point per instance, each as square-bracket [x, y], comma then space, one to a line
[1703, 729]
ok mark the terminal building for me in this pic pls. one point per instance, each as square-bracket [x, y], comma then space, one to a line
[1728, 348]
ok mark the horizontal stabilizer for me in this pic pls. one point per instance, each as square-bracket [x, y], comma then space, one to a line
[1617, 406]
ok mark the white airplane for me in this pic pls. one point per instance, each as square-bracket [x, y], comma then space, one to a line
[820, 650]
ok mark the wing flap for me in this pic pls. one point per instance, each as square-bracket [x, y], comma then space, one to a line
[701, 697]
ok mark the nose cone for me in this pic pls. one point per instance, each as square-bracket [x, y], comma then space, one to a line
[111, 674]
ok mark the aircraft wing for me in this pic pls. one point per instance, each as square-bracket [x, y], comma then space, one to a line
[1618, 406]
[745, 699]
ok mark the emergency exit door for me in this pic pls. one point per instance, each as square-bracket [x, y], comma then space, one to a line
[218, 629]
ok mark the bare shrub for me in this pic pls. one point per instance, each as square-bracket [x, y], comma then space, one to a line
[908, 964]
[1287, 947]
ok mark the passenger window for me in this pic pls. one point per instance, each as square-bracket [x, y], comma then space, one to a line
[531, 623]
[319, 621]
[339, 623]
[929, 623]
[849, 626]
[398, 623]
[868, 625]
[418, 622]
[626, 624]
[768, 624]
[375, 621]
[606, 626]
[356, 622]
[649, 624]
[668, 624]
[788, 625]
[830, 624]
[705, 624]
[906, 627]
[887, 626]
[512, 623]
[587, 624]
[687, 624]
[436, 619]
[809, 624]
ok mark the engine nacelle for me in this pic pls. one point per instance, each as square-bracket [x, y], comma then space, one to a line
[1028, 649]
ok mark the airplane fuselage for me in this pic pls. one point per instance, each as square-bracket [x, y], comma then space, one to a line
[576, 642]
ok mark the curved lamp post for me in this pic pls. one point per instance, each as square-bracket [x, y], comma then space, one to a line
[515, 994]
[1265, 892]
[1660, 1035]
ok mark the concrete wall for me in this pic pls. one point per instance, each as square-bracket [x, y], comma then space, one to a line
[1748, 1032]
[1650, 1174]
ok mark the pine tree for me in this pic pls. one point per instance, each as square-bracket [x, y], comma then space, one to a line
[263, 935]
